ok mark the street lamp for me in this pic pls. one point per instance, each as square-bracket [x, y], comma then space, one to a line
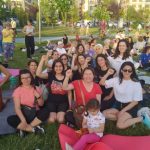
[39, 21]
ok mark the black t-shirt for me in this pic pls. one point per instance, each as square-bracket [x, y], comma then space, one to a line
[56, 93]
[99, 74]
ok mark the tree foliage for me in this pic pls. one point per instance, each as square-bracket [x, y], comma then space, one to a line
[49, 11]
[64, 7]
[101, 13]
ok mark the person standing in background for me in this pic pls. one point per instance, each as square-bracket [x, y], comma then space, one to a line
[13, 26]
[1, 36]
[29, 31]
[8, 45]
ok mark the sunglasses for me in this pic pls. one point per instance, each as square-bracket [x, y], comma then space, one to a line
[127, 70]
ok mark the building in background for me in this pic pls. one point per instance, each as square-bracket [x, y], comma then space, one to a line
[137, 4]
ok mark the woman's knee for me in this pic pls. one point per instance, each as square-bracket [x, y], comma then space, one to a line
[120, 125]
[60, 118]
[52, 119]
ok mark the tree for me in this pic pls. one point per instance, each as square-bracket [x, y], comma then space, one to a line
[4, 10]
[64, 7]
[19, 13]
[49, 11]
[101, 13]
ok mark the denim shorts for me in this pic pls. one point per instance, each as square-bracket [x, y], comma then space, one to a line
[119, 106]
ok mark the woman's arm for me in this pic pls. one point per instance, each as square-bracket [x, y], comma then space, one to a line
[98, 97]
[7, 74]
[38, 95]
[67, 86]
[70, 98]
[104, 78]
[129, 106]
[73, 66]
[18, 110]
[39, 69]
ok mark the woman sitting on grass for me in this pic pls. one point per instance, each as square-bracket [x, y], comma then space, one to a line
[27, 99]
[57, 103]
[128, 93]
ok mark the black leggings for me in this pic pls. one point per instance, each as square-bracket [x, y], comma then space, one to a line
[29, 42]
[14, 120]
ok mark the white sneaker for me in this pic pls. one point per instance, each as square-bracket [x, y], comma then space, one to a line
[68, 147]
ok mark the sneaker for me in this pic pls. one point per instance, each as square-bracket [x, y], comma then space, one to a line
[68, 147]
[146, 120]
[21, 133]
[38, 130]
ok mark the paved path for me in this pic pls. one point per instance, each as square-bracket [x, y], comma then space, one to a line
[22, 40]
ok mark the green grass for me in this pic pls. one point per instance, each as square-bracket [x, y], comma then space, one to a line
[59, 31]
[50, 141]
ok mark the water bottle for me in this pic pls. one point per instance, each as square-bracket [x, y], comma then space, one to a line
[146, 120]
[13, 82]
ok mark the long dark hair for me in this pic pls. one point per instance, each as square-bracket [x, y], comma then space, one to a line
[54, 64]
[25, 71]
[126, 53]
[77, 49]
[106, 60]
[133, 74]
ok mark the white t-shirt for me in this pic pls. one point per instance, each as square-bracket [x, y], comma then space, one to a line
[117, 62]
[61, 50]
[95, 121]
[125, 92]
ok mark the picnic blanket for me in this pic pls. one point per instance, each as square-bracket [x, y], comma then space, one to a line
[7, 111]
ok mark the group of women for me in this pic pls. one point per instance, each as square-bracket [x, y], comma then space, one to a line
[111, 79]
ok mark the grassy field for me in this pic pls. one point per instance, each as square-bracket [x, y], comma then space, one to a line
[50, 141]
[60, 31]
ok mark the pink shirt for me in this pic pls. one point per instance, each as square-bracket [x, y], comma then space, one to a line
[25, 95]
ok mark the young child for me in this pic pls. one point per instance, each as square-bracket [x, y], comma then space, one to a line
[94, 121]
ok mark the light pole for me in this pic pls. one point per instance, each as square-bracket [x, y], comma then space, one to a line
[39, 21]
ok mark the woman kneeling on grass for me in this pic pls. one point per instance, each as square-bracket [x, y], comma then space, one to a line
[128, 93]
[27, 99]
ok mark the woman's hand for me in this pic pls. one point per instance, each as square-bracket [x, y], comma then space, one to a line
[106, 98]
[36, 94]
[110, 71]
[23, 125]
[69, 73]
[120, 113]
[44, 58]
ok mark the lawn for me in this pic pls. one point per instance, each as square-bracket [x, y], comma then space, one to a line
[50, 141]
[59, 31]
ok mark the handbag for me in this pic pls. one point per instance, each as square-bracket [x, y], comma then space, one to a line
[44, 91]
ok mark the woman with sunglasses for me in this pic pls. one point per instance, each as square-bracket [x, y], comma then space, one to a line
[128, 93]
[120, 56]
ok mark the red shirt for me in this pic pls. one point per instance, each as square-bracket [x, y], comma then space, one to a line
[87, 95]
